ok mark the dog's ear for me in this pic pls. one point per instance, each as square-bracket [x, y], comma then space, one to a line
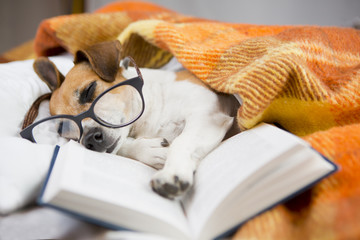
[103, 57]
[48, 72]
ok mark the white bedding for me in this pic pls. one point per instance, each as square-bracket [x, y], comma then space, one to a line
[23, 165]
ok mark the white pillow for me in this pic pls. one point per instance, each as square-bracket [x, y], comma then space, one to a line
[23, 165]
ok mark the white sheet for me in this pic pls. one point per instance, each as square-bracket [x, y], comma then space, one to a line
[23, 164]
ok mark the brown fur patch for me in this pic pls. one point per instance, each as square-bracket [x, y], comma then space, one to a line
[65, 99]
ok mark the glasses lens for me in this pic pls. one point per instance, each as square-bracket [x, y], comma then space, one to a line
[119, 106]
[56, 131]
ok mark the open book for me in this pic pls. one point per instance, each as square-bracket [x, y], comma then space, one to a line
[246, 175]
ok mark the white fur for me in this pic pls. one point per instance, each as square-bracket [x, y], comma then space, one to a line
[187, 115]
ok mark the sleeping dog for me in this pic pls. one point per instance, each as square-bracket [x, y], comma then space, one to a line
[182, 122]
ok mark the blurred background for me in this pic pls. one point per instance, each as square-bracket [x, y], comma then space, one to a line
[19, 19]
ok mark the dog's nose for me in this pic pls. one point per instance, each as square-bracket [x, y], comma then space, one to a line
[94, 140]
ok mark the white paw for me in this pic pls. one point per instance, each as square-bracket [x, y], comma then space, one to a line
[152, 152]
[170, 183]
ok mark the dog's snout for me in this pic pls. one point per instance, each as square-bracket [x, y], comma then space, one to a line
[94, 140]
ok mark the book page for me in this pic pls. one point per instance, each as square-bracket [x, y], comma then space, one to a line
[109, 181]
[284, 180]
[238, 163]
[221, 171]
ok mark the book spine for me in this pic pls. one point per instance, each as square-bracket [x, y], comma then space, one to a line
[52, 163]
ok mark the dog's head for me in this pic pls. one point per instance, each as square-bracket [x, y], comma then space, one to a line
[96, 69]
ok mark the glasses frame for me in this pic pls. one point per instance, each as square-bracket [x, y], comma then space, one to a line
[136, 82]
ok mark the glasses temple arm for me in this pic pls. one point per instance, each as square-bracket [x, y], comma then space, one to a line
[125, 63]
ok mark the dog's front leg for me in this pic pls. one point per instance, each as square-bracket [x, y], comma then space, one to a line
[199, 137]
[151, 151]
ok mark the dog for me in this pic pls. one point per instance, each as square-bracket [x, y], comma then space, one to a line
[182, 122]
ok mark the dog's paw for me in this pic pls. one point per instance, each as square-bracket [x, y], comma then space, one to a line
[152, 152]
[170, 184]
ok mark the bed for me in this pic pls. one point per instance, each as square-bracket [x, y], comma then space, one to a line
[304, 78]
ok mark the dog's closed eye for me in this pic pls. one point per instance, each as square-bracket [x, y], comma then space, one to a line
[87, 95]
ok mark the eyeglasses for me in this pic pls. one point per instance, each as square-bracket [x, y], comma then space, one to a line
[116, 107]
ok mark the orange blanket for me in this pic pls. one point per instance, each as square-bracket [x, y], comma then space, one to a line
[306, 78]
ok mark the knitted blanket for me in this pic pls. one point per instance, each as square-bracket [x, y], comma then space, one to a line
[305, 78]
